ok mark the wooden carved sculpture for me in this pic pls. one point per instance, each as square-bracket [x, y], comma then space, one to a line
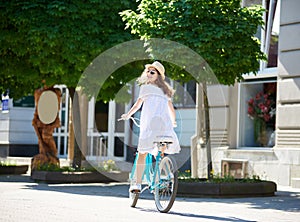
[45, 119]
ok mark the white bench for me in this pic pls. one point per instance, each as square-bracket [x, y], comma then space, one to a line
[234, 167]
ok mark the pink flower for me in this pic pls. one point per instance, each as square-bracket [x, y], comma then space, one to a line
[266, 117]
[250, 110]
[260, 106]
[264, 109]
[251, 102]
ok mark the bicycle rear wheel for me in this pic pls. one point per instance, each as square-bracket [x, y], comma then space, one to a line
[166, 185]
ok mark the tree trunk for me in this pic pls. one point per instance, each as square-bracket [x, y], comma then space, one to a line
[71, 134]
[77, 155]
[207, 132]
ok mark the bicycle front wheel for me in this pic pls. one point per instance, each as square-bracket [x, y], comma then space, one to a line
[133, 196]
[166, 185]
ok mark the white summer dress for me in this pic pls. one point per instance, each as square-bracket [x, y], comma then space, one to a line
[155, 121]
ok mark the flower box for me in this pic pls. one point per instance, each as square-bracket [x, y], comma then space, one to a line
[226, 189]
[79, 177]
[18, 169]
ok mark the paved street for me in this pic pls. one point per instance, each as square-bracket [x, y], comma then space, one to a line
[24, 200]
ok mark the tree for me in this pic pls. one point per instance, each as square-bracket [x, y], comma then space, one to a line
[54, 41]
[220, 31]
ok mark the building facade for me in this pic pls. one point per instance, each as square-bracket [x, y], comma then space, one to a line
[277, 156]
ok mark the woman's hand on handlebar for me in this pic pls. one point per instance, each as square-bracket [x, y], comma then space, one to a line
[124, 117]
[127, 117]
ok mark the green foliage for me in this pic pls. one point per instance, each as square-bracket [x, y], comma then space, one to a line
[48, 167]
[7, 163]
[231, 179]
[118, 84]
[56, 168]
[55, 40]
[220, 31]
[225, 179]
[108, 166]
[186, 177]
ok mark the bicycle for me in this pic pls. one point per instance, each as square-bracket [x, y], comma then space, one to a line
[161, 176]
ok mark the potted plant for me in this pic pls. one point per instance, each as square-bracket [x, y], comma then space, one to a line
[9, 167]
[226, 186]
[106, 172]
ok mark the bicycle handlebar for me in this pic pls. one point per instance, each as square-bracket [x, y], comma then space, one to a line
[133, 120]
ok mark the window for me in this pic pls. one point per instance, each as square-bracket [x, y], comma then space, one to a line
[27, 101]
[260, 132]
[268, 34]
[258, 112]
[272, 32]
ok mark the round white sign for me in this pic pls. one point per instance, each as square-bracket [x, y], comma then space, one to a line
[48, 107]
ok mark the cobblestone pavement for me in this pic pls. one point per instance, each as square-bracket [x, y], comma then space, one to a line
[21, 199]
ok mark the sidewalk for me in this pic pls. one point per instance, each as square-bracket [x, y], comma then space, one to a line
[21, 199]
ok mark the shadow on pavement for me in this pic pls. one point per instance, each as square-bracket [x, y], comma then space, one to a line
[283, 200]
[207, 217]
[24, 178]
[288, 201]
[95, 189]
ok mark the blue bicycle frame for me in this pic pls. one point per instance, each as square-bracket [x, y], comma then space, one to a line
[150, 172]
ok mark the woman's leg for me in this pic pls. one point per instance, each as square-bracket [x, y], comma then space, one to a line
[140, 167]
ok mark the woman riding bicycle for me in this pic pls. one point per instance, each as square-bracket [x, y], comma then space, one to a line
[157, 117]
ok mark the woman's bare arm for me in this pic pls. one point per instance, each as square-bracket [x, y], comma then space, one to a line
[172, 113]
[136, 106]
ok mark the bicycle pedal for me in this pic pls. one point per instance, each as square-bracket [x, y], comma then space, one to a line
[145, 188]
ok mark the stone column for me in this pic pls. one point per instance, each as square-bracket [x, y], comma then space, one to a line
[287, 147]
[288, 92]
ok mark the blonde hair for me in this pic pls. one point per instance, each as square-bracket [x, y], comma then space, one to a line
[166, 88]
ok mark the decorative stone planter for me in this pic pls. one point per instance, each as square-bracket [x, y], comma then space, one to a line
[19, 169]
[234, 189]
[79, 177]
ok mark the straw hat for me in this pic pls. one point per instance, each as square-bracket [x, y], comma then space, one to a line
[159, 67]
